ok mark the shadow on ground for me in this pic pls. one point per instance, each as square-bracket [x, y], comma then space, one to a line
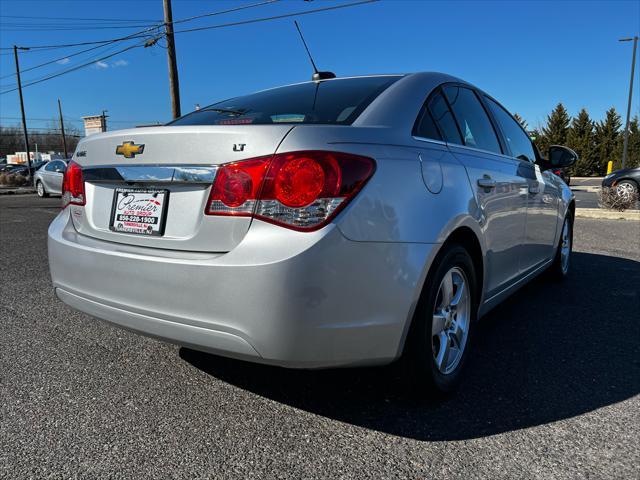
[552, 351]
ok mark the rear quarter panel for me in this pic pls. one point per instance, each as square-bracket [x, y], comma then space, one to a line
[396, 205]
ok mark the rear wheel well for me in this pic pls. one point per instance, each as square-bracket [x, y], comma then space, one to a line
[465, 237]
[632, 181]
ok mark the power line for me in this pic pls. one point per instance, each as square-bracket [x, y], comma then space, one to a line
[68, 27]
[90, 60]
[34, 119]
[77, 67]
[277, 17]
[71, 119]
[55, 60]
[160, 24]
[243, 7]
[138, 35]
[81, 18]
[83, 26]
[142, 33]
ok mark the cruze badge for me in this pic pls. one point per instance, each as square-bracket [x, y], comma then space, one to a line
[129, 149]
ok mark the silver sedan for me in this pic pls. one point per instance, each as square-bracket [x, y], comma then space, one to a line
[48, 178]
[339, 222]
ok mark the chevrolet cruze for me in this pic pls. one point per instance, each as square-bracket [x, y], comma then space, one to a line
[337, 222]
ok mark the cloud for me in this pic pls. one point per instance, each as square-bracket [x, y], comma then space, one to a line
[102, 65]
[63, 61]
[120, 63]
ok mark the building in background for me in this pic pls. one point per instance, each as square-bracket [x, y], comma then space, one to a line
[21, 157]
[95, 124]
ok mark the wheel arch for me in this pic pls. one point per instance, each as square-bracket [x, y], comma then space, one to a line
[628, 179]
[466, 237]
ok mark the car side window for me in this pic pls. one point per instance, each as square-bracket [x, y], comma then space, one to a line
[50, 167]
[518, 141]
[425, 126]
[475, 125]
[443, 118]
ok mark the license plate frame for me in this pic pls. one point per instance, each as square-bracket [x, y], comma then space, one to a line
[144, 195]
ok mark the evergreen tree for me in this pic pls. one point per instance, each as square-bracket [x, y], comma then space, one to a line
[633, 150]
[556, 130]
[608, 141]
[581, 139]
[521, 121]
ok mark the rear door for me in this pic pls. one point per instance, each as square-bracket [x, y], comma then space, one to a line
[499, 188]
[173, 167]
[542, 195]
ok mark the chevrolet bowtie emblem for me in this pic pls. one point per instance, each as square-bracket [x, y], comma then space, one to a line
[129, 149]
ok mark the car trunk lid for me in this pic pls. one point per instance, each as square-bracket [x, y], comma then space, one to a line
[173, 167]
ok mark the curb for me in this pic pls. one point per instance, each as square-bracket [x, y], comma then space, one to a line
[586, 188]
[17, 191]
[607, 214]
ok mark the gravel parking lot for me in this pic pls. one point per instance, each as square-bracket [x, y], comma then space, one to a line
[551, 392]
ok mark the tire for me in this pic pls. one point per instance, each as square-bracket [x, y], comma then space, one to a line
[561, 265]
[40, 190]
[427, 370]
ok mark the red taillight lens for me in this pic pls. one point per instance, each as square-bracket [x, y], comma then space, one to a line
[299, 182]
[73, 186]
[236, 187]
[299, 190]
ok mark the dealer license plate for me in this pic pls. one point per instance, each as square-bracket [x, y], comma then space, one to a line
[139, 211]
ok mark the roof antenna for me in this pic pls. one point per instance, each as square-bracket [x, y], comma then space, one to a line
[317, 76]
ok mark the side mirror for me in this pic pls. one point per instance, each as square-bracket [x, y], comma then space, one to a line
[561, 157]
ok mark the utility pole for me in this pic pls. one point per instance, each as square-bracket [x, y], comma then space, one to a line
[174, 86]
[626, 127]
[64, 138]
[24, 120]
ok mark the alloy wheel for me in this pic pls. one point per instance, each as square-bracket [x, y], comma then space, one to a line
[451, 320]
[625, 190]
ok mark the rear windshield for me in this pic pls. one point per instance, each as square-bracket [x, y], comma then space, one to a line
[329, 102]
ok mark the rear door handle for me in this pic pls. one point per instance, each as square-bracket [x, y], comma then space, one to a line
[486, 182]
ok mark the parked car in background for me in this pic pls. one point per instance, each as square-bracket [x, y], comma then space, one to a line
[48, 179]
[626, 182]
[342, 222]
[23, 168]
[9, 167]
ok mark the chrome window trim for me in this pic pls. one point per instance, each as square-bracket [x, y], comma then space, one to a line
[480, 150]
[182, 174]
[509, 157]
[429, 140]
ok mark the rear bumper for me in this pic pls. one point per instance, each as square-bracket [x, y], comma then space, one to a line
[280, 297]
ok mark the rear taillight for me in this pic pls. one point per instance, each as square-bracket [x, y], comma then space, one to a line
[298, 190]
[73, 186]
